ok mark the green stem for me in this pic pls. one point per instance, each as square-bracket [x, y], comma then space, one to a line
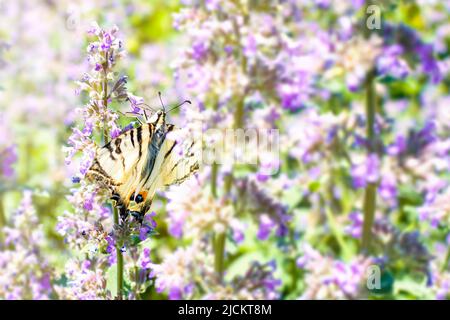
[2, 219]
[115, 211]
[214, 171]
[239, 115]
[119, 259]
[446, 260]
[118, 251]
[219, 250]
[371, 188]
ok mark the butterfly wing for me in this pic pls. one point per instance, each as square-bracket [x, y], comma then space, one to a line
[175, 161]
[139, 162]
[117, 163]
[182, 158]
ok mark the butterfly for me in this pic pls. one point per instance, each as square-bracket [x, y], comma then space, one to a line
[138, 162]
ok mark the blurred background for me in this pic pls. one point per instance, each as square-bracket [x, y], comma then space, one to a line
[358, 207]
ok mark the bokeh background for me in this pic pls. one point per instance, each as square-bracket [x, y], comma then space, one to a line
[311, 69]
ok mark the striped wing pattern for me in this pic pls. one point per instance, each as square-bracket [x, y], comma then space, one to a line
[139, 162]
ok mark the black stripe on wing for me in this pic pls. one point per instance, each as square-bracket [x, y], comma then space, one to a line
[139, 139]
[154, 147]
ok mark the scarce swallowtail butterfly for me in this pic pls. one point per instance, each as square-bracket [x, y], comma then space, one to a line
[138, 162]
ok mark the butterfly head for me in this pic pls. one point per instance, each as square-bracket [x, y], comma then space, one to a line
[158, 119]
[139, 205]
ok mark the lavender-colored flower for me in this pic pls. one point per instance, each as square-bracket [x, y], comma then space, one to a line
[265, 227]
[355, 229]
[398, 147]
[333, 279]
[436, 209]
[145, 259]
[388, 188]
[366, 172]
[391, 62]
[135, 102]
[24, 240]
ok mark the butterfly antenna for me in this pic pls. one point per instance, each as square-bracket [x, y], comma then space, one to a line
[185, 101]
[130, 115]
[146, 106]
[162, 103]
[145, 115]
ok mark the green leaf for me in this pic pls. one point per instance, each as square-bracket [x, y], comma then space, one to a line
[292, 197]
[314, 186]
[111, 280]
[406, 288]
[408, 195]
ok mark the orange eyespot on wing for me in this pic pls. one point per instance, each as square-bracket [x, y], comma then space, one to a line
[140, 197]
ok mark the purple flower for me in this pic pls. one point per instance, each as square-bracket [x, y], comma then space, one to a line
[76, 180]
[199, 50]
[355, 229]
[390, 62]
[104, 212]
[92, 47]
[86, 265]
[238, 228]
[250, 46]
[88, 127]
[145, 259]
[94, 29]
[148, 225]
[128, 127]
[266, 224]
[8, 157]
[398, 147]
[176, 228]
[89, 202]
[388, 188]
[322, 4]
[212, 5]
[293, 95]
[175, 293]
[111, 250]
[149, 219]
[86, 162]
[430, 66]
[366, 172]
[115, 132]
[107, 41]
[135, 102]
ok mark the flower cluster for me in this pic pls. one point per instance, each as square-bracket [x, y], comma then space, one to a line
[90, 228]
[26, 273]
[351, 201]
[189, 273]
[328, 278]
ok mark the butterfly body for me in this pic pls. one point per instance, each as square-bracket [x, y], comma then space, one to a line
[138, 162]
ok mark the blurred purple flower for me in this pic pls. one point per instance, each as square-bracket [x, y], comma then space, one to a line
[355, 228]
[135, 102]
[398, 147]
[89, 202]
[391, 63]
[388, 188]
[8, 157]
[366, 172]
[145, 259]
[266, 225]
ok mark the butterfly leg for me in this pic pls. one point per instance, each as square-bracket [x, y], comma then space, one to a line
[138, 216]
